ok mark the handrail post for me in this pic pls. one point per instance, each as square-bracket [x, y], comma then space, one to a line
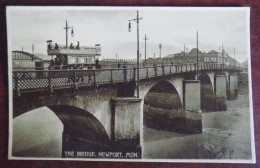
[163, 70]
[111, 76]
[95, 82]
[134, 75]
[181, 68]
[124, 73]
[170, 69]
[154, 68]
[50, 83]
[147, 73]
[176, 69]
[16, 83]
[75, 80]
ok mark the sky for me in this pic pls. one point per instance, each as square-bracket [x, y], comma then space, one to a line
[171, 27]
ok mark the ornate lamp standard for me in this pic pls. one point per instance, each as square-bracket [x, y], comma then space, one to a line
[197, 67]
[129, 29]
[145, 39]
[67, 28]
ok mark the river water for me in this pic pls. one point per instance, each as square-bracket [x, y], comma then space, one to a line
[226, 135]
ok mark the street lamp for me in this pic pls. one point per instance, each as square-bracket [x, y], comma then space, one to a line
[222, 54]
[72, 32]
[235, 58]
[160, 48]
[197, 68]
[129, 26]
[184, 59]
[129, 29]
[145, 39]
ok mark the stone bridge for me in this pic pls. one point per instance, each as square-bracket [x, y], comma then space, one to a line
[98, 110]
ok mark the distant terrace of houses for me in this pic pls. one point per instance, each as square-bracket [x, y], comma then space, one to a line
[25, 59]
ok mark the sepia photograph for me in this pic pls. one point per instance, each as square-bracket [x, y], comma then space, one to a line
[142, 84]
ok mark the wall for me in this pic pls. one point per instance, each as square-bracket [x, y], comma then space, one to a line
[95, 101]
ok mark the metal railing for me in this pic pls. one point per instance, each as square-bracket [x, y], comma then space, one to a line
[39, 80]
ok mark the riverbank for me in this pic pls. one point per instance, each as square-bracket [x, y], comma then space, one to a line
[226, 135]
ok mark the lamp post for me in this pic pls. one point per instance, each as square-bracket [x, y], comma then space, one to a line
[67, 28]
[160, 48]
[222, 53]
[145, 39]
[129, 29]
[235, 58]
[32, 52]
[184, 57]
[197, 68]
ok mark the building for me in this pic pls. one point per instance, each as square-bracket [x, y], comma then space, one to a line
[203, 57]
[117, 63]
[184, 57]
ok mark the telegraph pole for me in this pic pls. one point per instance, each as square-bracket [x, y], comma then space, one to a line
[129, 29]
[32, 51]
[67, 28]
[222, 59]
[154, 57]
[160, 47]
[184, 50]
[145, 39]
[197, 69]
[235, 57]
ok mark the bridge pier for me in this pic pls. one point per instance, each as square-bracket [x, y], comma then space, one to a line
[192, 104]
[125, 124]
[233, 87]
[221, 92]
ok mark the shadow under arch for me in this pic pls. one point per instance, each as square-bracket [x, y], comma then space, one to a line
[163, 108]
[227, 76]
[207, 93]
[82, 131]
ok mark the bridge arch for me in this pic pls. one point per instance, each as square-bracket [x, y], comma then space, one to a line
[82, 130]
[146, 85]
[207, 92]
[22, 55]
[227, 82]
[57, 129]
[162, 107]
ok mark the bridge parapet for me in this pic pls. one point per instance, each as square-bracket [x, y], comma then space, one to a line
[40, 80]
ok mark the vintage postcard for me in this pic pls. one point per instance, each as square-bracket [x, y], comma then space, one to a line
[138, 84]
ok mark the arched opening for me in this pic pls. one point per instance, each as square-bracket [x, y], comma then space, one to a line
[37, 133]
[208, 97]
[233, 87]
[54, 130]
[163, 108]
[82, 131]
[227, 83]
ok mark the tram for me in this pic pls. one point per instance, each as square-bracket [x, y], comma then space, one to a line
[73, 57]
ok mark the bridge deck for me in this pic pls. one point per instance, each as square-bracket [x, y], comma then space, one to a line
[39, 80]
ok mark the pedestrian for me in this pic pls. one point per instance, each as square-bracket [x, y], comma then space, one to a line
[56, 46]
[97, 62]
[77, 47]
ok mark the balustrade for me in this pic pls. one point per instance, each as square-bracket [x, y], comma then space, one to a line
[34, 80]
